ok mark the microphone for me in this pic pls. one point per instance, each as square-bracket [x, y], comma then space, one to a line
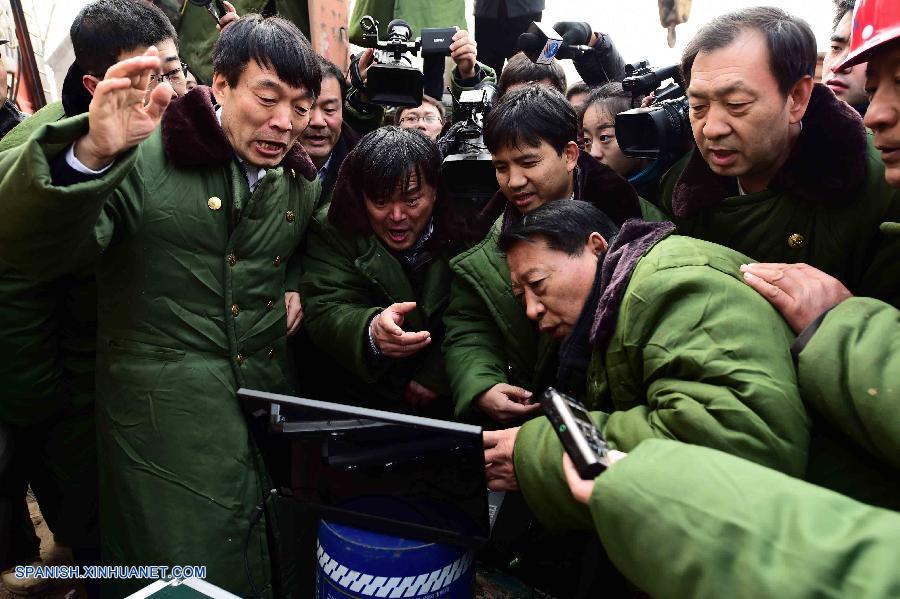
[217, 11]
[542, 44]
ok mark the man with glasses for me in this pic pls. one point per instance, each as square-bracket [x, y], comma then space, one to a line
[48, 328]
[427, 117]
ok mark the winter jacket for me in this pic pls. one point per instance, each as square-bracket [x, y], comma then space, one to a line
[191, 271]
[686, 521]
[824, 207]
[489, 339]
[680, 348]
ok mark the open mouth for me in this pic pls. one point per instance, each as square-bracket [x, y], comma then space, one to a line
[837, 85]
[889, 153]
[723, 157]
[398, 235]
[316, 140]
[269, 148]
[523, 199]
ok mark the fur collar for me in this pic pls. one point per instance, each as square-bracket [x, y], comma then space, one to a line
[193, 137]
[827, 164]
[633, 241]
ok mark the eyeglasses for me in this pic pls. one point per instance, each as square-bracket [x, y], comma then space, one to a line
[414, 120]
[173, 76]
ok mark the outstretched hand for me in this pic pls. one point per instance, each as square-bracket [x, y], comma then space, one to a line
[121, 115]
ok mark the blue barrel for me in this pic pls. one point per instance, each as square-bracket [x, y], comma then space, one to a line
[360, 564]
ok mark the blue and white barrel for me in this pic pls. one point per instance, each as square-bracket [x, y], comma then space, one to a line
[360, 564]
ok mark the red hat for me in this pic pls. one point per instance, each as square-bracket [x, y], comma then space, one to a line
[875, 23]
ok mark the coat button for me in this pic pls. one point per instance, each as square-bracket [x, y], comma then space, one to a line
[214, 203]
[277, 261]
[796, 241]
[289, 216]
[239, 359]
[235, 310]
[271, 353]
[232, 259]
[270, 305]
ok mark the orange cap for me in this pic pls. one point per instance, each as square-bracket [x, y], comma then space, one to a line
[875, 23]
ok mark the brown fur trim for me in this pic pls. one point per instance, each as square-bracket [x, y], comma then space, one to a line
[826, 165]
[192, 136]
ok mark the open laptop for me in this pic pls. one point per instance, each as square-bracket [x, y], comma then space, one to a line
[384, 471]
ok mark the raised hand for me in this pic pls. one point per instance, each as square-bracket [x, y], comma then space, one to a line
[121, 115]
[463, 53]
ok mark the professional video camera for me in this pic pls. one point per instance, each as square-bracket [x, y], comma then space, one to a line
[661, 130]
[392, 79]
[467, 167]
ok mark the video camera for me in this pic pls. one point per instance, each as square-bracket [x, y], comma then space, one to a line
[392, 79]
[663, 129]
[467, 167]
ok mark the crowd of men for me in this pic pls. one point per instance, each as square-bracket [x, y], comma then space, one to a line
[731, 323]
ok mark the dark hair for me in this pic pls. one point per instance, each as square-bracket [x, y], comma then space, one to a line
[841, 7]
[565, 225]
[383, 161]
[329, 69]
[578, 88]
[271, 42]
[425, 100]
[791, 43]
[520, 69]
[529, 115]
[610, 98]
[104, 29]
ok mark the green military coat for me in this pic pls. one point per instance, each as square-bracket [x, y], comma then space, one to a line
[191, 275]
[685, 521]
[823, 208]
[695, 355]
[347, 280]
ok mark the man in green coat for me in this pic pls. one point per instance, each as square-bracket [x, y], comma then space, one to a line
[665, 338]
[495, 357]
[194, 233]
[783, 171]
[48, 328]
[377, 276]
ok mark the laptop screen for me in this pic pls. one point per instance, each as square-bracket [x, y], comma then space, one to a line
[389, 472]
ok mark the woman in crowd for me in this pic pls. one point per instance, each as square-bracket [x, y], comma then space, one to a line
[598, 130]
[377, 277]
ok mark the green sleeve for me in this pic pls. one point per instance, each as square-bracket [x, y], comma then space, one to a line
[685, 521]
[48, 230]
[712, 361]
[337, 301]
[473, 346]
[849, 371]
[363, 121]
[483, 73]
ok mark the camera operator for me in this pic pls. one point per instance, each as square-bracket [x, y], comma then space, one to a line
[467, 74]
[428, 117]
[328, 139]
[599, 66]
[376, 275]
[598, 130]
[783, 171]
[494, 356]
[848, 83]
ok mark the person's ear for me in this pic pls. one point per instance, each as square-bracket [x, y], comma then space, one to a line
[596, 244]
[219, 87]
[571, 154]
[798, 98]
[90, 83]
